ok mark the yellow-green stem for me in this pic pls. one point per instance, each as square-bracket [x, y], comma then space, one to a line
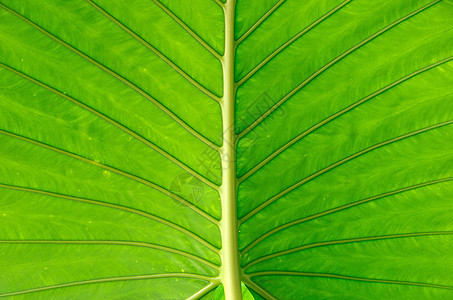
[230, 270]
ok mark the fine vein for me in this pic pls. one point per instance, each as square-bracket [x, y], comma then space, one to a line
[336, 115]
[258, 289]
[327, 66]
[116, 171]
[116, 76]
[110, 279]
[347, 206]
[118, 207]
[346, 241]
[220, 3]
[116, 243]
[292, 40]
[155, 51]
[118, 125]
[187, 28]
[336, 276]
[258, 23]
[338, 163]
[198, 295]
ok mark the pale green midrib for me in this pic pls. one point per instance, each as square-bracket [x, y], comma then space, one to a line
[230, 272]
[338, 163]
[258, 23]
[118, 207]
[119, 78]
[186, 27]
[110, 279]
[336, 276]
[349, 205]
[132, 133]
[338, 114]
[186, 76]
[116, 243]
[116, 171]
[290, 41]
[327, 66]
[346, 241]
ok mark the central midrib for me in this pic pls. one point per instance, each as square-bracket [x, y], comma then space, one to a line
[230, 271]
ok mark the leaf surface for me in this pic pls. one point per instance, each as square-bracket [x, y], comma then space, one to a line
[116, 148]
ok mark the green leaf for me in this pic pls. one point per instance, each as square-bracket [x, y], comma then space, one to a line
[226, 149]
[219, 293]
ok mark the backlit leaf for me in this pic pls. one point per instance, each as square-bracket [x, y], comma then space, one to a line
[171, 149]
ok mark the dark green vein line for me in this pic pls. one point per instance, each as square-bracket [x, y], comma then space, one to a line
[118, 77]
[289, 42]
[336, 276]
[258, 289]
[118, 125]
[156, 52]
[338, 163]
[110, 279]
[118, 207]
[116, 243]
[258, 23]
[347, 206]
[187, 29]
[336, 115]
[116, 171]
[346, 241]
[327, 66]
[204, 291]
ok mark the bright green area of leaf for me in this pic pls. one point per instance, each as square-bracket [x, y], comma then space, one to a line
[219, 293]
[111, 123]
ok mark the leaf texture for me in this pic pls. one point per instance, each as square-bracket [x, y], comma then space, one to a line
[114, 157]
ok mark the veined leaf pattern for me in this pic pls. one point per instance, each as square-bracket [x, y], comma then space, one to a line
[226, 149]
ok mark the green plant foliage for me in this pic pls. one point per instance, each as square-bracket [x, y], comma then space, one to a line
[220, 295]
[116, 147]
